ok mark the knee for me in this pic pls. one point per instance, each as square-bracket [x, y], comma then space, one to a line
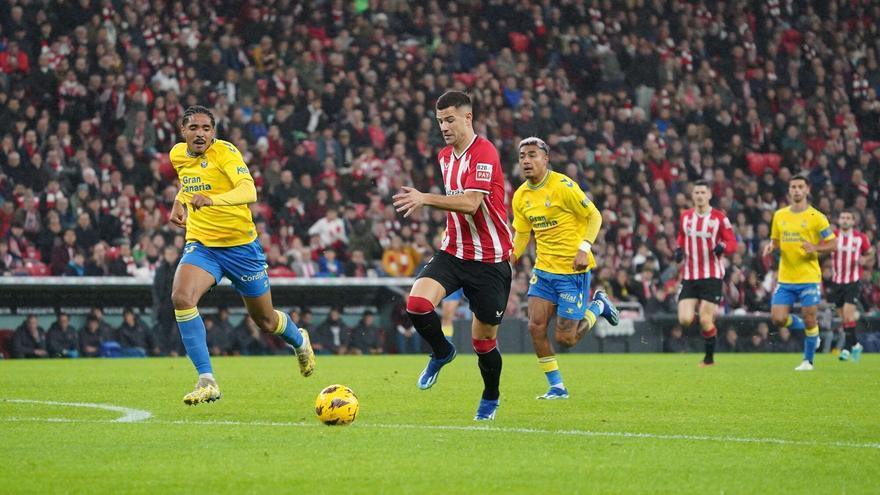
[706, 322]
[566, 339]
[417, 305]
[537, 329]
[183, 299]
[779, 321]
[685, 320]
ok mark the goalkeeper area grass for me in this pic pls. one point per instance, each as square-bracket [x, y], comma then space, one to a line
[645, 423]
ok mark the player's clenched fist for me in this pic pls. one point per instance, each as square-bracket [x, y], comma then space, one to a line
[177, 216]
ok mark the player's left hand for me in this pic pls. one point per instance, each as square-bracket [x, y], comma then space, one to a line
[408, 201]
[581, 260]
[719, 249]
[809, 247]
[199, 201]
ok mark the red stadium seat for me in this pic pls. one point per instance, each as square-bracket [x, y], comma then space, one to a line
[281, 272]
[38, 269]
[519, 42]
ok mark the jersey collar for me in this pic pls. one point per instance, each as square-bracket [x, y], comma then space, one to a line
[540, 184]
[190, 155]
[456, 156]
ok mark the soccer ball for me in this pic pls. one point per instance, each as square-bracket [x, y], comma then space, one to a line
[336, 405]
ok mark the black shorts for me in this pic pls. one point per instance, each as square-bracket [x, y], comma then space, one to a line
[486, 285]
[841, 294]
[706, 289]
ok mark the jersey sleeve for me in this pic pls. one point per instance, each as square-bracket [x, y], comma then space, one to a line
[866, 244]
[774, 228]
[826, 232]
[679, 238]
[233, 165]
[485, 166]
[728, 237]
[578, 202]
[520, 222]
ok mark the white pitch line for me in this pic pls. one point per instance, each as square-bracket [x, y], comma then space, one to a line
[129, 415]
[487, 429]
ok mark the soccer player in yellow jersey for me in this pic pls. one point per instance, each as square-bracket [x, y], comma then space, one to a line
[800, 232]
[221, 240]
[565, 223]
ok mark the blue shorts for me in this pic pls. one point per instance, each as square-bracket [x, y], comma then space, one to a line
[570, 293]
[788, 294]
[455, 296]
[245, 265]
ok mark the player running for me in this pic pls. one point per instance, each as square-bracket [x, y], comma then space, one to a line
[800, 232]
[475, 249]
[704, 236]
[853, 251]
[565, 223]
[216, 188]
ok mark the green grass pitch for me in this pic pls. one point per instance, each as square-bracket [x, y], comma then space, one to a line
[634, 424]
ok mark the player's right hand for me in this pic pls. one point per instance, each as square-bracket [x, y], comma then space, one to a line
[679, 255]
[177, 217]
[768, 249]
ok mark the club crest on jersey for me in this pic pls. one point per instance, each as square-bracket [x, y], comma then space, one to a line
[204, 164]
[484, 171]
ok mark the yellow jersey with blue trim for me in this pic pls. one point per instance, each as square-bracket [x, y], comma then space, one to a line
[218, 170]
[790, 229]
[558, 212]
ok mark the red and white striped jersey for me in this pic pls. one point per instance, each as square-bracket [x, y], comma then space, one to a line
[850, 248]
[697, 237]
[485, 235]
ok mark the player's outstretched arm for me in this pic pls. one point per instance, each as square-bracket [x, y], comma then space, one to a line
[409, 199]
[242, 194]
[825, 246]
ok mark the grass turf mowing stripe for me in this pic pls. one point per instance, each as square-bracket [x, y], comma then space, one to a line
[488, 429]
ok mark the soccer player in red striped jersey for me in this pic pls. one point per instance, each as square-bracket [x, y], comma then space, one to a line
[475, 250]
[704, 236]
[853, 251]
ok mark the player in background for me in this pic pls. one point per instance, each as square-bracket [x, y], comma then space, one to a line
[565, 223]
[853, 251]
[448, 308]
[704, 236]
[221, 240]
[801, 233]
[475, 251]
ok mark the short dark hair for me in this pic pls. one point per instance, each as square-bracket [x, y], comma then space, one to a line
[453, 99]
[702, 182]
[194, 110]
[799, 177]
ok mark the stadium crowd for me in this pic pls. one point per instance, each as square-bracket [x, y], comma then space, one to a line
[333, 114]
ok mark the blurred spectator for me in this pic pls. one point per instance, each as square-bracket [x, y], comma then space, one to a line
[785, 343]
[329, 265]
[165, 328]
[676, 341]
[730, 342]
[357, 265]
[249, 339]
[29, 340]
[364, 338]
[62, 339]
[133, 336]
[331, 335]
[408, 341]
[217, 337]
[399, 259]
[90, 338]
